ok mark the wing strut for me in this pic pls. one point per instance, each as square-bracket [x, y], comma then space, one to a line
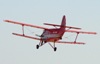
[76, 37]
[23, 29]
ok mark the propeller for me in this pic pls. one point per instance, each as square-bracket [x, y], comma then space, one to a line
[33, 33]
[37, 35]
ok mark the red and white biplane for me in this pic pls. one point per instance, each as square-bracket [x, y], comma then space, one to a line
[51, 35]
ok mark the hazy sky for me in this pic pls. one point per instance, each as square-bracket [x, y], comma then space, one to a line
[80, 13]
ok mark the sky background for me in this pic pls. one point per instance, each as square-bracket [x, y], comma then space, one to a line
[80, 13]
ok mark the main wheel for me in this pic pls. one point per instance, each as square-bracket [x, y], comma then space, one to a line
[55, 48]
[37, 46]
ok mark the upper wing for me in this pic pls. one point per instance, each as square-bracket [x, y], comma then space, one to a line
[70, 42]
[83, 32]
[60, 25]
[24, 24]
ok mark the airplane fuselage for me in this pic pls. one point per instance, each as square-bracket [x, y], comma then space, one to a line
[52, 35]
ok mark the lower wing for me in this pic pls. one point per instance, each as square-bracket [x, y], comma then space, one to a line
[64, 42]
[26, 36]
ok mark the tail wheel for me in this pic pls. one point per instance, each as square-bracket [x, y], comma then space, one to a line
[55, 48]
[37, 46]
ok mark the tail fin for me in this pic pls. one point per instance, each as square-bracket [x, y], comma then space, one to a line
[63, 23]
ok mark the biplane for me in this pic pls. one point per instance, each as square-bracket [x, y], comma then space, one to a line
[53, 35]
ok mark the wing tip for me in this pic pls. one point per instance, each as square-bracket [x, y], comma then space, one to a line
[5, 20]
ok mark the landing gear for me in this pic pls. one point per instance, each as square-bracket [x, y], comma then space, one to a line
[40, 44]
[55, 48]
[43, 42]
[37, 46]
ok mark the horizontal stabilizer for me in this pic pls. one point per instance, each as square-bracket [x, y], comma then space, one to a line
[73, 27]
[52, 24]
[26, 36]
[60, 26]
